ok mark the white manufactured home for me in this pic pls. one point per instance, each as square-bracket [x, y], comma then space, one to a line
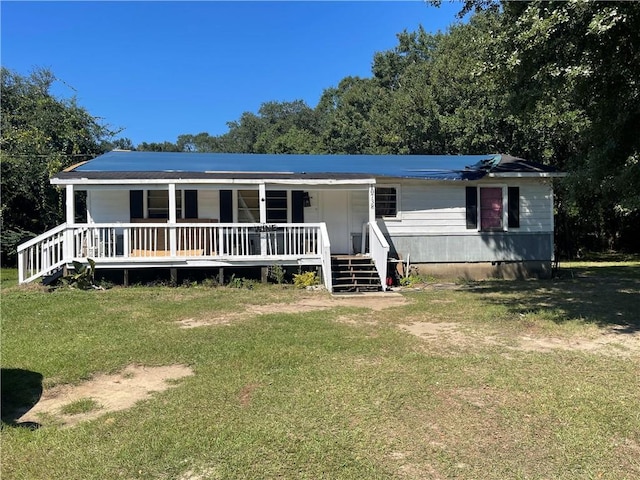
[348, 215]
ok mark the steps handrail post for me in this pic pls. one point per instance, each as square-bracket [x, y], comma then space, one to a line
[21, 259]
[68, 244]
[379, 249]
[326, 256]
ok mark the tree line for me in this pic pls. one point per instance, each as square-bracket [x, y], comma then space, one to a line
[552, 82]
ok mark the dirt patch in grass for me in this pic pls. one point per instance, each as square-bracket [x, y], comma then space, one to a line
[612, 341]
[246, 393]
[374, 301]
[110, 393]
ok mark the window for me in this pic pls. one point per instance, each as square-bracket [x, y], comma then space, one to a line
[489, 205]
[158, 203]
[249, 206]
[386, 202]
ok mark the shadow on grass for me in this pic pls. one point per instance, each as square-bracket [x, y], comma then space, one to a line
[605, 295]
[21, 390]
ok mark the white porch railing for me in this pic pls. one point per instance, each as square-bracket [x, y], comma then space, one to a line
[42, 255]
[379, 251]
[143, 242]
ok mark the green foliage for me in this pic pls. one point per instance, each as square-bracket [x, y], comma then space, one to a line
[241, 282]
[305, 279]
[83, 405]
[40, 135]
[210, 282]
[277, 274]
[575, 67]
[82, 276]
[414, 277]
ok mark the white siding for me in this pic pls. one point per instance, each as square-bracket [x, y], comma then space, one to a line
[429, 208]
[359, 210]
[108, 206]
[209, 204]
[536, 207]
[432, 208]
[312, 213]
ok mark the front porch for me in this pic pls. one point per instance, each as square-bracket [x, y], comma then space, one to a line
[191, 244]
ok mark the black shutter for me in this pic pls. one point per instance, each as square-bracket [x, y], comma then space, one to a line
[297, 206]
[226, 206]
[190, 204]
[514, 207]
[136, 204]
[472, 207]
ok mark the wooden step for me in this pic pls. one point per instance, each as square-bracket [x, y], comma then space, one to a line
[354, 274]
[53, 276]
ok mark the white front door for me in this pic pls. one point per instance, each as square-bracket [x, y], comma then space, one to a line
[335, 214]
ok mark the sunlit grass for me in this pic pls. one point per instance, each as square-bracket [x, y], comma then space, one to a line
[83, 405]
[311, 395]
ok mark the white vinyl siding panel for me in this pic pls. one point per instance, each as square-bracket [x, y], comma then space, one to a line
[429, 208]
[359, 210]
[108, 206]
[209, 204]
[536, 208]
[439, 209]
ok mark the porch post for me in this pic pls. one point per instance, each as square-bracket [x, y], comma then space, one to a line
[262, 195]
[70, 215]
[172, 220]
[70, 210]
[263, 203]
[372, 216]
[372, 203]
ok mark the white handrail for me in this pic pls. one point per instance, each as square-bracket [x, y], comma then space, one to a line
[325, 244]
[41, 237]
[379, 250]
[41, 255]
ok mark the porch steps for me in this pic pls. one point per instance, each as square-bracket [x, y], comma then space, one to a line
[354, 274]
[53, 276]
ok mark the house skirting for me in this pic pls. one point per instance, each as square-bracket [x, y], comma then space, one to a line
[476, 247]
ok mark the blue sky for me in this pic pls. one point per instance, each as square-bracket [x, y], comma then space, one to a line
[161, 69]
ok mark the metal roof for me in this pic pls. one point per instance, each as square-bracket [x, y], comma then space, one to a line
[129, 164]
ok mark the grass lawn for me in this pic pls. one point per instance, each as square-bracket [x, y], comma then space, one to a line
[487, 380]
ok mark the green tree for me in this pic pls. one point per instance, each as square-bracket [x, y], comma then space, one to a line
[41, 135]
[158, 147]
[575, 68]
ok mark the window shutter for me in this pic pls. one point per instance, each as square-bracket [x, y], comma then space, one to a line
[472, 207]
[136, 204]
[190, 204]
[277, 206]
[297, 206]
[514, 207]
[226, 206]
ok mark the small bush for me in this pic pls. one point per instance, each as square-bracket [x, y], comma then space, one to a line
[277, 273]
[210, 282]
[240, 282]
[306, 279]
[82, 277]
[414, 279]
